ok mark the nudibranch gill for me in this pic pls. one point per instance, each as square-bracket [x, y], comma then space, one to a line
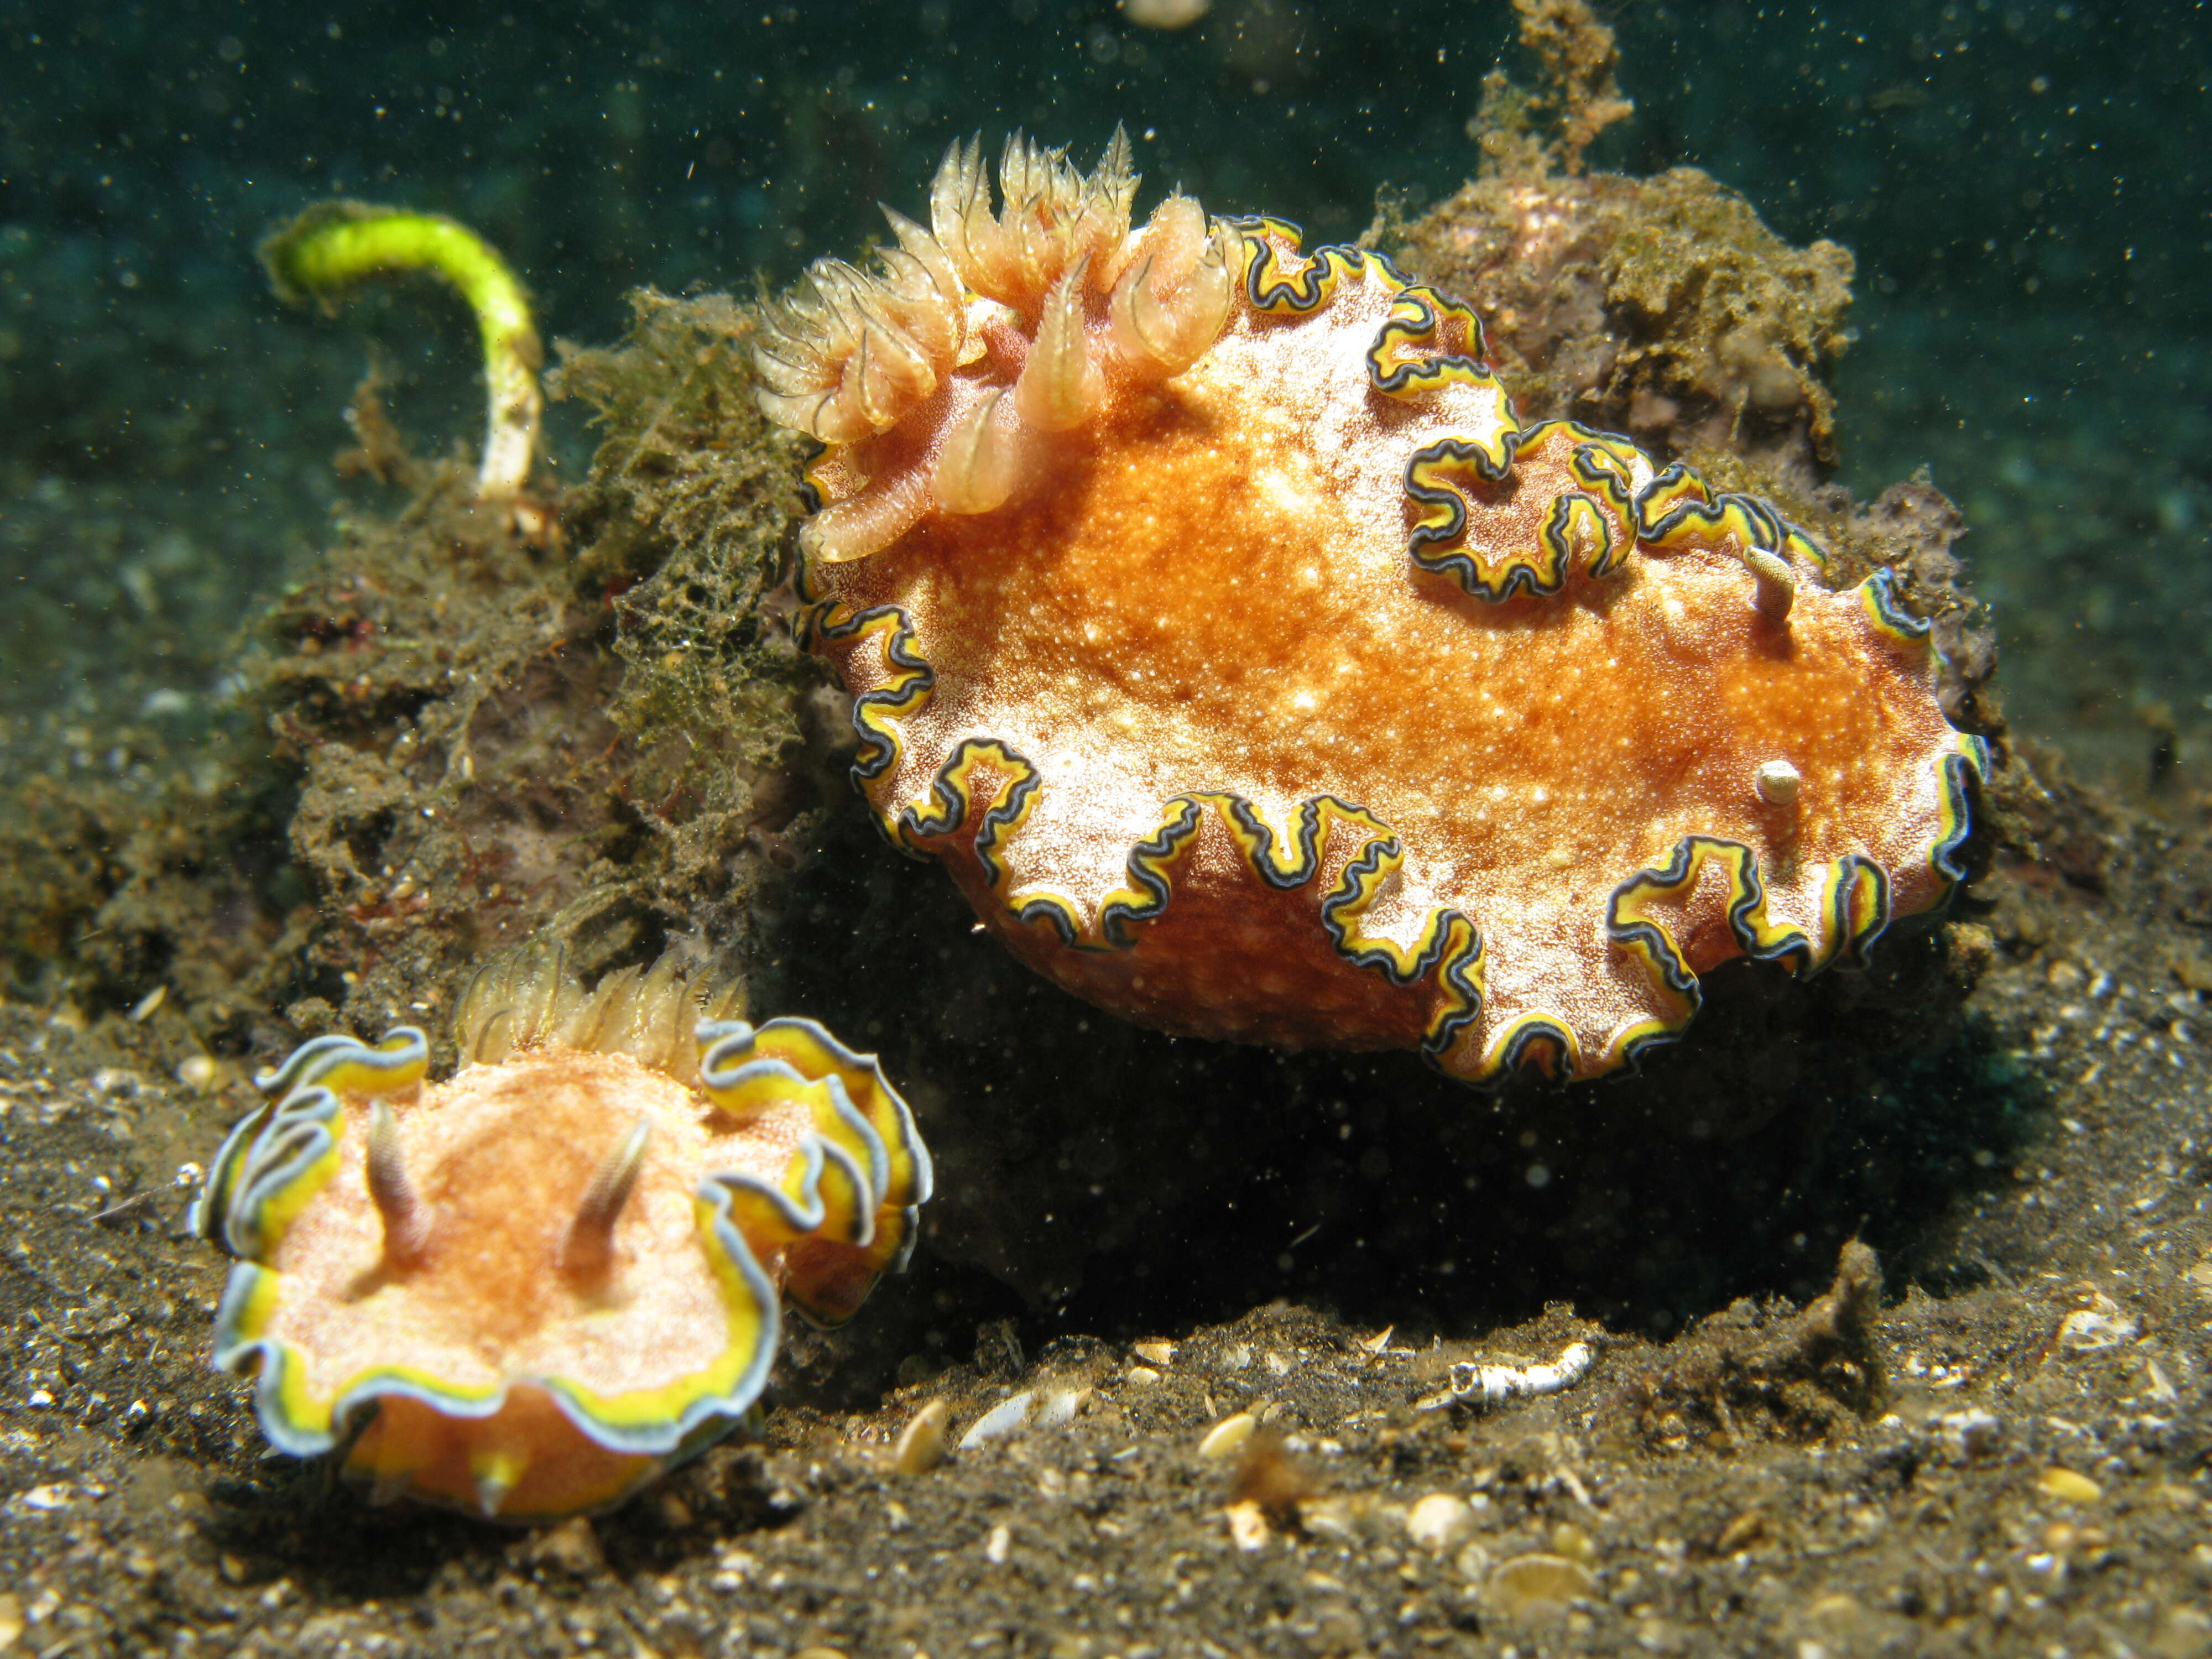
[1257, 675]
[526, 1290]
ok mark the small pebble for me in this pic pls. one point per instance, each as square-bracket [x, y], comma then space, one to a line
[1001, 1420]
[1333, 1518]
[1248, 1525]
[2186, 1630]
[1539, 1586]
[1572, 1541]
[1059, 1408]
[996, 1545]
[1440, 1522]
[1227, 1438]
[921, 1443]
[1143, 1376]
[2093, 1329]
[1971, 1433]
[1741, 1534]
[2069, 1487]
[1842, 1620]
[198, 1073]
[1154, 1353]
[572, 1547]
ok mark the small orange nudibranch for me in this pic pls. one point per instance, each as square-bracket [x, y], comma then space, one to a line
[525, 1290]
[1258, 675]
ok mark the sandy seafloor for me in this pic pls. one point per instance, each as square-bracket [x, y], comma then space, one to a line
[2008, 1455]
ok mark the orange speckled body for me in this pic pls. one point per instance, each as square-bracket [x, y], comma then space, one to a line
[1302, 698]
[526, 1290]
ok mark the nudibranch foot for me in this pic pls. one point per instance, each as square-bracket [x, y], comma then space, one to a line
[1268, 680]
[526, 1290]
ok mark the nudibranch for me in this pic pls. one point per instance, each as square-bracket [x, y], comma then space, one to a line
[1258, 675]
[526, 1290]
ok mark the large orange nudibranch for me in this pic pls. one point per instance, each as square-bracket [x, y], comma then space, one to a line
[526, 1290]
[1258, 675]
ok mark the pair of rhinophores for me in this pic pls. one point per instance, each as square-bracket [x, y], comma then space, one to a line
[1256, 675]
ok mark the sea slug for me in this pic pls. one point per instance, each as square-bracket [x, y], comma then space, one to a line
[526, 1290]
[1257, 675]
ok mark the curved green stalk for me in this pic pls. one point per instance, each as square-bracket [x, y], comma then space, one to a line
[323, 253]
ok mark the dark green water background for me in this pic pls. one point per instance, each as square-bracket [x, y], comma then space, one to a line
[2025, 186]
